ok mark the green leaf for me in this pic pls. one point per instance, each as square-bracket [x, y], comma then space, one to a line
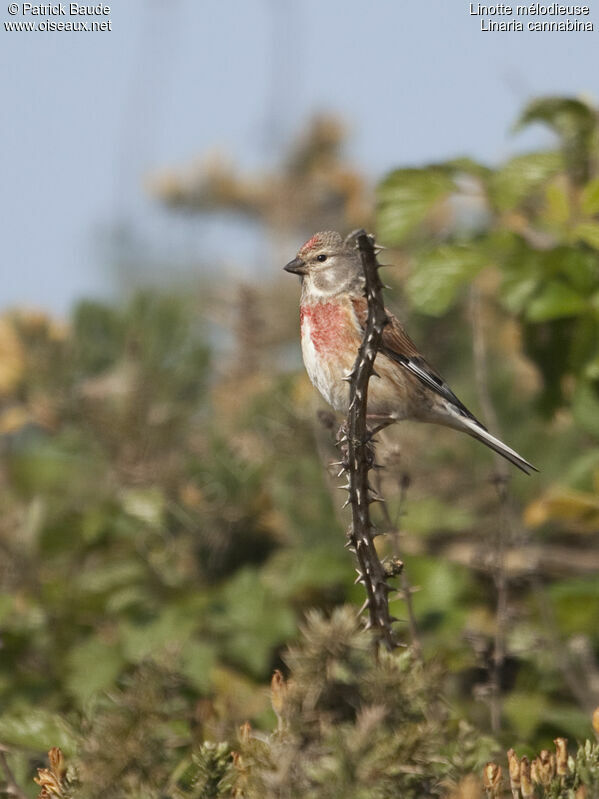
[573, 121]
[429, 516]
[589, 233]
[577, 265]
[294, 573]
[585, 408]
[522, 176]
[517, 290]
[196, 661]
[576, 604]
[253, 620]
[172, 627]
[556, 300]
[439, 274]
[92, 666]
[567, 720]
[37, 729]
[146, 504]
[567, 116]
[405, 198]
[589, 198]
[110, 575]
[467, 166]
[557, 204]
[525, 710]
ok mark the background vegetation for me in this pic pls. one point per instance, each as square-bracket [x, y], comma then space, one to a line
[169, 515]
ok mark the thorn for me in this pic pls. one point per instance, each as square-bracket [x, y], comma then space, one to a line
[341, 472]
[346, 503]
[364, 606]
[360, 579]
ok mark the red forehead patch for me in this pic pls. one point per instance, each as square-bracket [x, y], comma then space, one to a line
[315, 241]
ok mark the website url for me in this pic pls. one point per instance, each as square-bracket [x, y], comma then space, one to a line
[52, 25]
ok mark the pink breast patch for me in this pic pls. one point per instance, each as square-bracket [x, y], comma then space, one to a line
[331, 326]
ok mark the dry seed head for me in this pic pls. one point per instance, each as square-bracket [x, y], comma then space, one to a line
[57, 764]
[492, 778]
[278, 692]
[48, 782]
[514, 770]
[526, 786]
[237, 760]
[544, 768]
[534, 771]
[245, 732]
[561, 756]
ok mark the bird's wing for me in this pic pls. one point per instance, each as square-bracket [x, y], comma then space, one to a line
[399, 347]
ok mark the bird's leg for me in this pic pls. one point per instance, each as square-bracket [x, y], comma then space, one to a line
[380, 422]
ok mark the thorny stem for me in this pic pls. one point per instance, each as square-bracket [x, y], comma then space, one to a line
[12, 786]
[360, 452]
[405, 587]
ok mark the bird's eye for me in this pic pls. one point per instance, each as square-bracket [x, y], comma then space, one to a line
[322, 257]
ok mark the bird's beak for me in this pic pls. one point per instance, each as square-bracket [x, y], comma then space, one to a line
[297, 267]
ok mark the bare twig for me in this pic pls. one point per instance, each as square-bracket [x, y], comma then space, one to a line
[11, 787]
[360, 452]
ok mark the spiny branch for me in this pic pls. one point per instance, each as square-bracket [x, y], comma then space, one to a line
[358, 444]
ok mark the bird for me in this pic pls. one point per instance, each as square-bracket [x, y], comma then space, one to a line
[333, 314]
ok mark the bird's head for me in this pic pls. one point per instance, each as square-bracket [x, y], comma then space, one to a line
[328, 265]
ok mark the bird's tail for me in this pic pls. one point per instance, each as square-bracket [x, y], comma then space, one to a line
[473, 428]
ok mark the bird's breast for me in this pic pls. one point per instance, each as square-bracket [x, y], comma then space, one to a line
[330, 341]
[331, 326]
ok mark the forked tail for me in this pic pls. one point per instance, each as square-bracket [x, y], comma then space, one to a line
[472, 427]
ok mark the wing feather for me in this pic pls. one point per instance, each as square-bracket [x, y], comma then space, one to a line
[399, 347]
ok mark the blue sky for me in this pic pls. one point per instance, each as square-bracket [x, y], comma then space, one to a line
[88, 116]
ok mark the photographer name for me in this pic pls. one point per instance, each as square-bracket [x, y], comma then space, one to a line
[63, 10]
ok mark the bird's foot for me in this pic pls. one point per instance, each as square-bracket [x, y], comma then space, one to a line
[380, 422]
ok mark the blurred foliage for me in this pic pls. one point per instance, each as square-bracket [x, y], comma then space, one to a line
[167, 517]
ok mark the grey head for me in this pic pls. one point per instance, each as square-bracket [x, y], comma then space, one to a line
[328, 265]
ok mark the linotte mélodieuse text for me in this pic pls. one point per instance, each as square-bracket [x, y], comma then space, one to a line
[533, 15]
